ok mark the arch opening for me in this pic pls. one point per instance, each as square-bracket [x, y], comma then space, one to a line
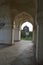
[23, 18]
[26, 31]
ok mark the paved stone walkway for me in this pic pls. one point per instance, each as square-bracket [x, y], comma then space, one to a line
[19, 54]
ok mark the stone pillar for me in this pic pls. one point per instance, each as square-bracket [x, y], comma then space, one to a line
[40, 42]
[33, 36]
[16, 34]
[40, 30]
[37, 37]
[13, 36]
[35, 40]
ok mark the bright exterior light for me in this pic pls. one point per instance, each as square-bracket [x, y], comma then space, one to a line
[27, 24]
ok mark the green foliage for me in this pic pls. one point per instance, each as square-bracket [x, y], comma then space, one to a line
[24, 37]
[22, 34]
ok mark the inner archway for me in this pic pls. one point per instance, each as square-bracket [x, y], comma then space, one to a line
[26, 31]
[17, 23]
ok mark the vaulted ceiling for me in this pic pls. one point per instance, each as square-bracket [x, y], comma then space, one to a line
[19, 6]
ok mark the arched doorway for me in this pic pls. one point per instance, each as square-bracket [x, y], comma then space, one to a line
[26, 31]
[18, 21]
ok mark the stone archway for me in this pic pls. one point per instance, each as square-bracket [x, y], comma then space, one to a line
[22, 17]
[18, 20]
[26, 31]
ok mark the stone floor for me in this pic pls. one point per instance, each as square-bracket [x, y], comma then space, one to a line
[21, 53]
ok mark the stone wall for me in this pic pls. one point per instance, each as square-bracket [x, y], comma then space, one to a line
[5, 31]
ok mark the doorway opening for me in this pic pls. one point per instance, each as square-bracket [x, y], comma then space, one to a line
[26, 31]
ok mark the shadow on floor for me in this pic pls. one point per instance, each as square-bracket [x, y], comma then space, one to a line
[4, 46]
[23, 61]
[26, 58]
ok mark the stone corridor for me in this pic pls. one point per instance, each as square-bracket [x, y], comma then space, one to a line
[21, 53]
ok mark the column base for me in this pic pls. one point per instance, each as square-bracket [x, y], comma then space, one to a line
[16, 40]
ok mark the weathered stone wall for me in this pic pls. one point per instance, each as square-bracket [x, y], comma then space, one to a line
[5, 31]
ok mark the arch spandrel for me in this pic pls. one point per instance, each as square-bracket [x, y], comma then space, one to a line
[22, 17]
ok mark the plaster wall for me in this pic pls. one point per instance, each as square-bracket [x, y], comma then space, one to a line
[5, 31]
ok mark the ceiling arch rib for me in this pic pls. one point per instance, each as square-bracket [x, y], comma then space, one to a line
[23, 17]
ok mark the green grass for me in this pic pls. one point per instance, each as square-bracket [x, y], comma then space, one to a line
[26, 38]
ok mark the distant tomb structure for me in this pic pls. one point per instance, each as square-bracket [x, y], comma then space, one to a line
[26, 30]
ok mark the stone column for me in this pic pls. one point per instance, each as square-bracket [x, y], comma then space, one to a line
[40, 43]
[33, 35]
[40, 32]
[35, 40]
[16, 34]
[37, 37]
